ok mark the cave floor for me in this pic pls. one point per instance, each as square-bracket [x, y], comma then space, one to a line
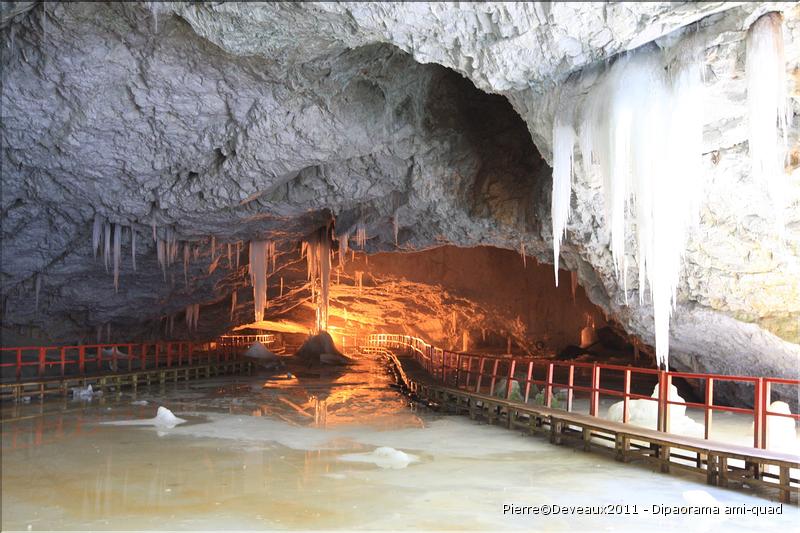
[260, 452]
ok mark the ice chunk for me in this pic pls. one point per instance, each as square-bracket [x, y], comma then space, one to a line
[85, 393]
[139, 402]
[384, 457]
[164, 419]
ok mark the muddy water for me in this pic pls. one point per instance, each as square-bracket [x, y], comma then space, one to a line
[299, 453]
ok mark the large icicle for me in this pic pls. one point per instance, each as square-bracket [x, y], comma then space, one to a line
[258, 277]
[769, 115]
[187, 253]
[563, 145]
[37, 288]
[97, 230]
[233, 304]
[106, 244]
[641, 128]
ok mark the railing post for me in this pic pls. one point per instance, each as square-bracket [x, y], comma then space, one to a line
[548, 388]
[158, 352]
[41, 361]
[82, 359]
[595, 398]
[511, 369]
[63, 360]
[143, 356]
[191, 351]
[758, 405]
[626, 399]
[19, 363]
[766, 392]
[169, 354]
[480, 376]
[663, 394]
[570, 385]
[709, 401]
[130, 357]
[494, 376]
[528, 381]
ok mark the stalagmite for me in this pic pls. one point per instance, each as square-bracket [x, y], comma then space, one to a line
[769, 115]
[117, 253]
[641, 127]
[258, 277]
[359, 280]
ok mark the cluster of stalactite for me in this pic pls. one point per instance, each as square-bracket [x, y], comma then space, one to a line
[317, 251]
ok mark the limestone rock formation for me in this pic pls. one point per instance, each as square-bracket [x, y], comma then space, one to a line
[258, 120]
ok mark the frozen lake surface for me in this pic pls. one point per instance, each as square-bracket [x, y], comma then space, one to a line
[319, 452]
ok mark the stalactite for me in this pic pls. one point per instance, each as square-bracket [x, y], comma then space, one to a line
[281, 294]
[258, 277]
[171, 326]
[641, 127]
[238, 253]
[524, 257]
[769, 115]
[133, 248]
[161, 252]
[155, 235]
[395, 226]
[343, 246]
[106, 244]
[318, 259]
[99, 333]
[196, 316]
[117, 253]
[186, 255]
[213, 248]
[574, 284]
[97, 230]
[233, 304]
[361, 235]
[230, 257]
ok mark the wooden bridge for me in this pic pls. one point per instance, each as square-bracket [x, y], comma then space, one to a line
[467, 383]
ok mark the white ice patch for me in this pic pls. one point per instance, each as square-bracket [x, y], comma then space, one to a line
[139, 402]
[164, 419]
[85, 393]
[384, 457]
[645, 413]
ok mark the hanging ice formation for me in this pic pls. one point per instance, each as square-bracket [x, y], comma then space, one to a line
[213, 248]
[97, 229]
[318, 256]
[361, 235]
[192, 316]
[133, 248]
[524, 259]
[106, 243]
[281, 294]
[171, 325]
[344, 242]
[258, 277]
[769, 115]
[186, 255]
[395, 226]
[230, 257]
[574, 282]
[117, 253]
[640, 131]
[238, 253]
[233, 304]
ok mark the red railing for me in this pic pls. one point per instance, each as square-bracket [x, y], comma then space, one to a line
[59, 361]
[481, 373]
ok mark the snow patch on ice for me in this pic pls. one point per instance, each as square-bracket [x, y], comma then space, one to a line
[384, 457]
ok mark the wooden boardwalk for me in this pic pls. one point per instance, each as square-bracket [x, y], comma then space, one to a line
[722, 464]
[40, 388]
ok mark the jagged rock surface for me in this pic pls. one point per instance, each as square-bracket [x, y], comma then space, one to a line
[246, 120]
